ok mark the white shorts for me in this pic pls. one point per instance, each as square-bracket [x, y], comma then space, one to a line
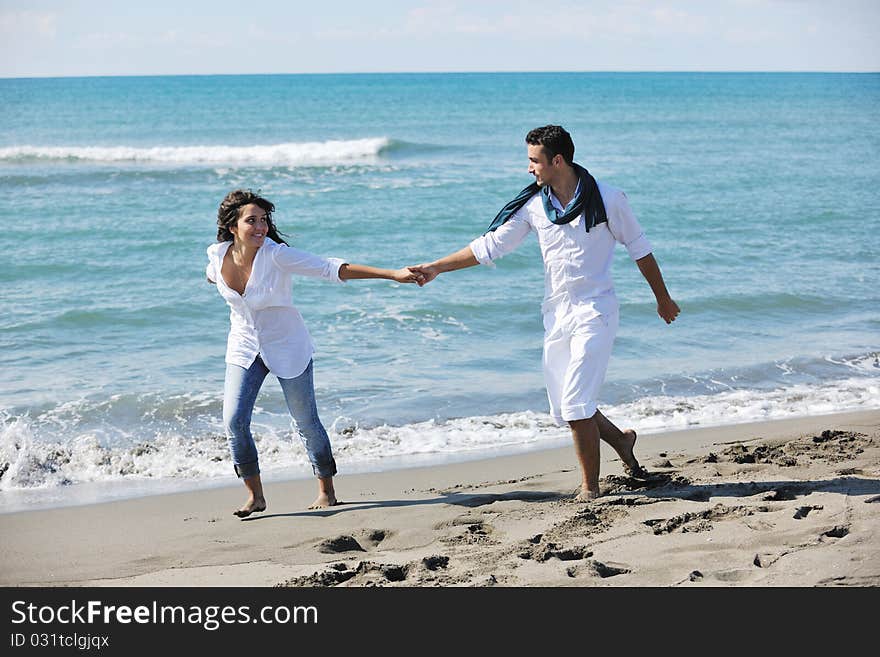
[577, 348]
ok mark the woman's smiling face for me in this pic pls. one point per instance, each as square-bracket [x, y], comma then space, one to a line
[252, 225]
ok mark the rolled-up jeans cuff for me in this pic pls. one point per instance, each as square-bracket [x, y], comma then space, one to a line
[325, 469]
[244, 470]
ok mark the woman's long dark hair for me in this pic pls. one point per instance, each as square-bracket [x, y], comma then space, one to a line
[227, 215]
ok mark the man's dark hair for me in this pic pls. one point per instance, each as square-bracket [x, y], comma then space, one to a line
[555, 140]
[227, 214]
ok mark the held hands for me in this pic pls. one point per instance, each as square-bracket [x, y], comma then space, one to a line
[420, 274]
[427, 272]
[409, 275]
[666, 308]
[462, 258]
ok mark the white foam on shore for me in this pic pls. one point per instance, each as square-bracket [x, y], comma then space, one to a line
[172, 456]
[283, 154]
[664, 413]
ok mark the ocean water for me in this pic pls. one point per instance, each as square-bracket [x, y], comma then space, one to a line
[759, 193]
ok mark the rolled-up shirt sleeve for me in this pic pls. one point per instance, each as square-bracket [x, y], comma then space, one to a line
[497, 244]
[626, 229]
[295, 261]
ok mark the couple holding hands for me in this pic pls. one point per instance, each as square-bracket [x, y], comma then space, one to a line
[578, 221]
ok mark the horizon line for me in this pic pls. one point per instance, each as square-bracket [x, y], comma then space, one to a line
[486, 72]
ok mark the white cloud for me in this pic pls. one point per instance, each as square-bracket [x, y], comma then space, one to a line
[749, 36]
[675, 21]
[29, 24]
[102, 40]
[430, 16]
[115, 41]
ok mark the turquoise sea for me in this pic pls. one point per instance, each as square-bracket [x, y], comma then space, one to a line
[759, 193]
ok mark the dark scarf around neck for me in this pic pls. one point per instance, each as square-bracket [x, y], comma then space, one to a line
[587, 200]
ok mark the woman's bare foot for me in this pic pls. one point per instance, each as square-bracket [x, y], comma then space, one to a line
[252, 506]
[326, 494]
[323, 501]
[630, 464]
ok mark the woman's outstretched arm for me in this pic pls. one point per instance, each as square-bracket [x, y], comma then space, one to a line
[349, 271]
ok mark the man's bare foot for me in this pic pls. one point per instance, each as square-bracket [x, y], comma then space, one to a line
[252, 506]
[587, 495]
[631, 465]
[323, 501]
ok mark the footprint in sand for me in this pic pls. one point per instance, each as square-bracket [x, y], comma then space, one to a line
[435, 562]
[546, 551]
[605, 570]
[803, 511]
[340, 544]
[367, 573]
[838, 531]
[373, 537]
[765, 560]
[478, 532]
[698, 521]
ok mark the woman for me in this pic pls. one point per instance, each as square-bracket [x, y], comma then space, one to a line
[253, 274]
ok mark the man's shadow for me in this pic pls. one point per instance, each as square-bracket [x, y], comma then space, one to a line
[666, 485]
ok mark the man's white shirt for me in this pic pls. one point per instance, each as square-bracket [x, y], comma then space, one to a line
[577, 263]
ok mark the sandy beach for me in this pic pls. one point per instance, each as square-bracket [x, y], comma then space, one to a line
[781, 503]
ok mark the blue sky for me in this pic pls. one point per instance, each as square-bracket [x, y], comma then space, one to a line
[99, 37]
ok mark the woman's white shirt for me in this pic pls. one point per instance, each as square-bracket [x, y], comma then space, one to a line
[263, 320]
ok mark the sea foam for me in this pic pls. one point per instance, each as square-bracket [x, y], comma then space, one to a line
[167, 452]
[284, 154]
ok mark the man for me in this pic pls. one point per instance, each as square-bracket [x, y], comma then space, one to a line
[578, 221]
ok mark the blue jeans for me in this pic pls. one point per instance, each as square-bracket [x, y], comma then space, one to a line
[239, 395]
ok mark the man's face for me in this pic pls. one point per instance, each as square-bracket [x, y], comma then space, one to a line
[540, 167]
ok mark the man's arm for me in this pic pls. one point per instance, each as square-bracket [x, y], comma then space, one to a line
[459, 260]
[481, 251]
[666, 307]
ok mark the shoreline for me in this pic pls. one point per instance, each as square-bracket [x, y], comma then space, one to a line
[509, 520]
[117, 490]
